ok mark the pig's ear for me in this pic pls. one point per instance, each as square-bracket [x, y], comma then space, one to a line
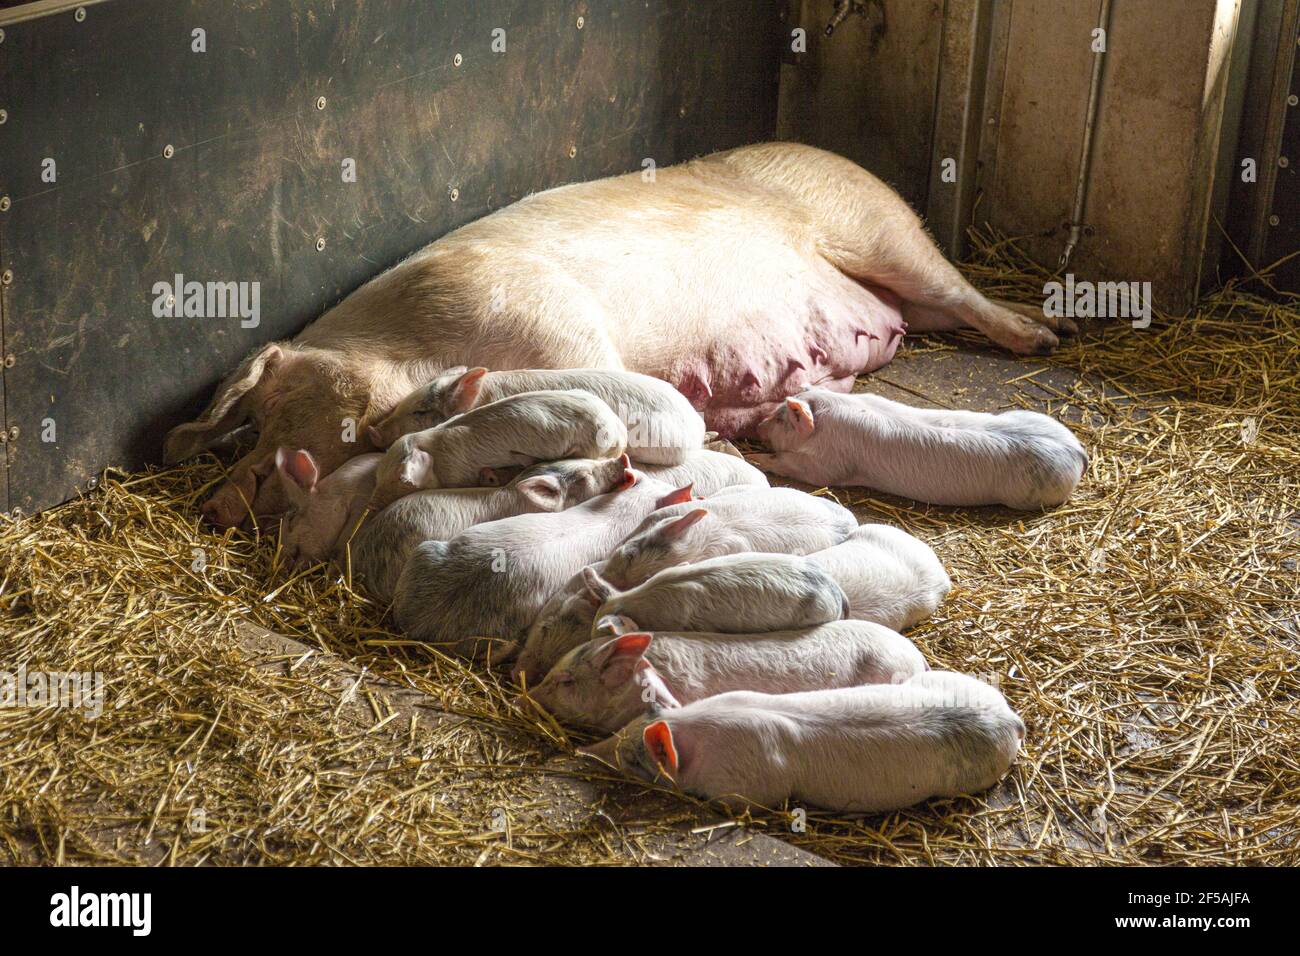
[679, 526]
[376, 437]
[658, 739]
[618, 658]
[678, 497]
[298, 469]
[466, 390]
[629, 476]
[612, 625]
[543, 491]
[227, 410]
[801, 416]
[597, 586]
[415, 467]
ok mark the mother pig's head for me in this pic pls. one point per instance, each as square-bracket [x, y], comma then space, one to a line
[305, 398]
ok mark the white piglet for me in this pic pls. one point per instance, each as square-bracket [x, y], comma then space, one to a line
[889, 576]
[851, 750]
[519, 430]
[770, 520]
[662, 425]
[1018, 458]
[607, 682]
[732, 520]
[380, 550]
[736, 594]
[475, 594]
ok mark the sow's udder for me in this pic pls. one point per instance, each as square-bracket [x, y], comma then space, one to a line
[737, 383]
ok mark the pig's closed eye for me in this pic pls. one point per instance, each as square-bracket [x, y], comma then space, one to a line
[564, 680]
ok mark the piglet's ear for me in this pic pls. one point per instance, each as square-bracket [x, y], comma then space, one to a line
[629, 476]
[678, 497]
[618, 658]
[597, 586]
[678, 527]
[611, 625]
[658, 738]
[466, 390]
[297, 468]
[542, 491]
[376, 437]
[801, 415]
[415, 467]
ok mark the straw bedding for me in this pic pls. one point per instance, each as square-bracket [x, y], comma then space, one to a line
[1146, 631]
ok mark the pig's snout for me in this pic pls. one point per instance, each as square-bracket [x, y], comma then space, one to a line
[226, 508]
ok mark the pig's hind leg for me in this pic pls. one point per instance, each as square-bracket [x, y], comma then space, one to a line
[868, 232]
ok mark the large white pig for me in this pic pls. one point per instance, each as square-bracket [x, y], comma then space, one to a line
[852, 750]
[739, 278]
[475, 594]
[736, 593]
[520, 429]
[1018, 458]
[662, 426]
[607, 682]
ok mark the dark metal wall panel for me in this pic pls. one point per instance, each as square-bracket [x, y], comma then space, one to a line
[413, 92]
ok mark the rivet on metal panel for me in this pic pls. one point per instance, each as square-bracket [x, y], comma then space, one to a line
[320, 243]
[92, 482]
[582, 22]
[682, 111]
[573, 151]
[2, 36]
[1283, 161]
[13, 433]
[1273, 220]
[4, 203]
[169, 151]
[10, 361]
[457, 60]
[6, 277]
[1292, 100]
[4, 115]
[454, 193]
[320, 102]
[80, 15]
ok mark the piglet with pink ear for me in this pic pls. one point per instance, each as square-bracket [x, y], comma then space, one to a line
[1020, 459]
[607, 682]
[663, 428]
[518, 430]
[851, 750]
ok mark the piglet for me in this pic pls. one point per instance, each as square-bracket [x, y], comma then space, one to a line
[607, 682]
[662, 425]
[382, 547]
[1019, 459]
[475, 594]
[736, 593]
[851, 750]
[705, 470]
[521, 429]
[890, 577]
[772, 520]
[322, 511]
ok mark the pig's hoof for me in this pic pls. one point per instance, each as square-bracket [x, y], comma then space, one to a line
[1035, 314]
